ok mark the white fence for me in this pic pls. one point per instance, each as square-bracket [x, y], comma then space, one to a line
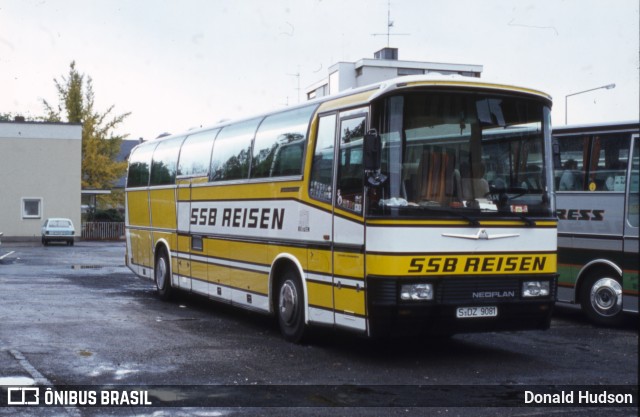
[103, 230]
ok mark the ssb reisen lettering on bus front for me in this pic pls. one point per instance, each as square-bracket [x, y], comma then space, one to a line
[527, 263]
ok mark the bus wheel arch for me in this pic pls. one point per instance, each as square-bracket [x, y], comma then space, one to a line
[288, 298]
[162, 271]
[600, 293]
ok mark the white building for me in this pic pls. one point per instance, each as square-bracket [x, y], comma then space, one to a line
[40, 168]
[384, 66]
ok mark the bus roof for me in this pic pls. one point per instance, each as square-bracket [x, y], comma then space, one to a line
[452, 80]
[363, 95]
[598, 127]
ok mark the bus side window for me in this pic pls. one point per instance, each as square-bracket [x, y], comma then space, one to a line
[164, 165]
[139, 165]
[351, 169]
[610, 154]
[232, 151]
[633, 208]
[287, 159]
[279, 144]
[570, 174]
[195, 154]
[322, 167]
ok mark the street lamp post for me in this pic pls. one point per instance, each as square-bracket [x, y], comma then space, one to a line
[607, 87]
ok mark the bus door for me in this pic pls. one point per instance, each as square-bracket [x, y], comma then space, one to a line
[182, 266]
[631, 226]
[348, 223]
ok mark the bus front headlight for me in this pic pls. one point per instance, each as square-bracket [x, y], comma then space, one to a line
[535, 288]
[416, 292]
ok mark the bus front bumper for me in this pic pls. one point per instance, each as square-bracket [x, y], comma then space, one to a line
[389, 315]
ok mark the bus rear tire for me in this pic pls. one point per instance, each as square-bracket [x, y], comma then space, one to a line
[601, 298]
[162, 277]
[290, 307]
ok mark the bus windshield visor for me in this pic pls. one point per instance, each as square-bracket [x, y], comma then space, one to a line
[462, 155]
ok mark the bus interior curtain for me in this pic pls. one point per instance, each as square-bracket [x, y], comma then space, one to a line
[436, 174]
[595, 158]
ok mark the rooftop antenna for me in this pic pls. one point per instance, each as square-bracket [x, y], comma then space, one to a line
[297, 75]
[389, 26]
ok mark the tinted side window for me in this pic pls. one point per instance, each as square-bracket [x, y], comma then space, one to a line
[609, 158]
[350, 168]
[195, 154]
[232, 151]
[322, 169]
[280, 142]
[633, 212]
[139, 165]
[165, 162]
[573, 154]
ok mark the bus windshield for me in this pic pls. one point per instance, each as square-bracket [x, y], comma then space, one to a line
[460, 155]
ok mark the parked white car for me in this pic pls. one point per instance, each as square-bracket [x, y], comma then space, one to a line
[58, 230]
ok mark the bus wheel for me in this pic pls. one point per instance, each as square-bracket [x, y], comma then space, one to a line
[162, 278]
[601, 299]
[290, 308]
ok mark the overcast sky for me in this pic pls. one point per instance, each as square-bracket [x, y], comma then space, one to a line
[177, 64]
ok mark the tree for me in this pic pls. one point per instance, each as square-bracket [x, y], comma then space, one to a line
[100, 145]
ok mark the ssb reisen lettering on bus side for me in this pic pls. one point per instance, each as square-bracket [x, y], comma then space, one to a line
[251, 218]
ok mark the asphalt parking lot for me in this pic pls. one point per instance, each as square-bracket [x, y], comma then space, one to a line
[76, 316]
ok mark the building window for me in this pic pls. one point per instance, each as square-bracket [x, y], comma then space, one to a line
[31, 208]
[410, 71]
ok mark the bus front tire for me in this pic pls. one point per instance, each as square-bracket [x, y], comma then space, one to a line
[601, 298]
[162, 277]
[290, 307]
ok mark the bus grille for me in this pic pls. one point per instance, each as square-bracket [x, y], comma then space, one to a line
[382, 292]
[477, 290]
[451, 291]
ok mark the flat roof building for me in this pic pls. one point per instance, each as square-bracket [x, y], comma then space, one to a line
[385, 65]
[40, 167]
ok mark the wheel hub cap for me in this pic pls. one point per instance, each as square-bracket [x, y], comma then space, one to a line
[161, 271]
[288, 301]
[606, 296]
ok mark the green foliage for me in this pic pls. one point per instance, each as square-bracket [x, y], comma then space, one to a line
[100, 145]
[108, 215]
[11, 117]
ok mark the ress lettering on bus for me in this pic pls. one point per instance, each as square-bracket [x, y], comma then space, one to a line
[580, 214]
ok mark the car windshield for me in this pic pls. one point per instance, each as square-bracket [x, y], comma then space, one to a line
[461, 154]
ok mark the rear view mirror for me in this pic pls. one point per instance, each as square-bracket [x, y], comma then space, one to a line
[372, 149]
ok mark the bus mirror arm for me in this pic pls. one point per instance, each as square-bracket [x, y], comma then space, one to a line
[372, 148]
[372, 152]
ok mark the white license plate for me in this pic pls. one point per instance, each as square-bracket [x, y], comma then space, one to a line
[473, 312]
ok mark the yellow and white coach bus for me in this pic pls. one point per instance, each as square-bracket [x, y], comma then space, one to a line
[416, 205]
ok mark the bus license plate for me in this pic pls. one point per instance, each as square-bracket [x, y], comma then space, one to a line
[473, 312]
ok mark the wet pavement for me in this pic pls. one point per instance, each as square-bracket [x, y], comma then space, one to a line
[76, 316]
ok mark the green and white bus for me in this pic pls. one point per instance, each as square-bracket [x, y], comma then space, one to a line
[596, 178]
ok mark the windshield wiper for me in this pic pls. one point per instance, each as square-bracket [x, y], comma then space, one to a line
[525, 219]
[472, 221]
